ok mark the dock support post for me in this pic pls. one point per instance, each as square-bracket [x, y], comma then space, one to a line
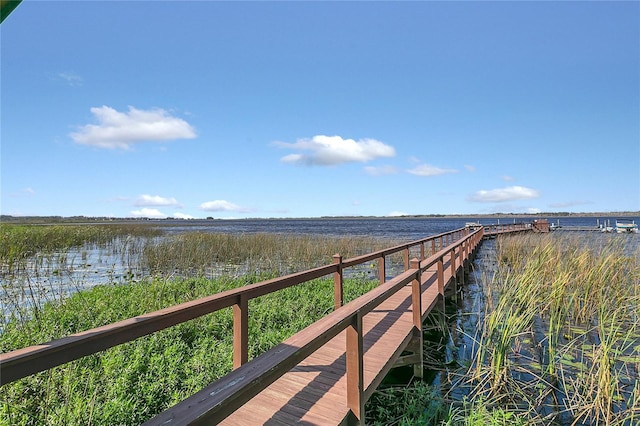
[416, 345]
[454, 274]
[441, 281]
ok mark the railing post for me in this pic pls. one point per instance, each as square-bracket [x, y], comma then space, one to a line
[416, 305]
[405, 258]
[441, 282]
[240, 331]
[453, 263]
[382, 270]
[422, 250]
[355, 369]
[338, 297]
[433, 246]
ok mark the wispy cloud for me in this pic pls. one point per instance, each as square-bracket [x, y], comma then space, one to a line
[122, 129]
[570, 204]
[429, 170]
[508, 178]
[70, 78]
[25, 192]
[223, 206]
[397, 214]
[150, 213]
[470, 168]
[323, 150]
[155, 200]
[502, 195]
[380, 171]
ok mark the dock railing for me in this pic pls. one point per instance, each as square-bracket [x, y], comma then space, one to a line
[217, 401]
[24, 362]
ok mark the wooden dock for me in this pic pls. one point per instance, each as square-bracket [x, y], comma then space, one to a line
[315, 390]
[322, 375]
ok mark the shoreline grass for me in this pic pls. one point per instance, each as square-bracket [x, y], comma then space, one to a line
[561, 336]
[131, 382]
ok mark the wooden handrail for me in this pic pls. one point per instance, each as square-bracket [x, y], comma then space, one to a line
[218, 400]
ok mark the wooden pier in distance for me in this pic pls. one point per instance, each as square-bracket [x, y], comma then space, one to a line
[322, 375]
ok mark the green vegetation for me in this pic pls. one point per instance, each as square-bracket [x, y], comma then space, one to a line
[196, 252]
[561, 335]
[19, 242]
[130, 383]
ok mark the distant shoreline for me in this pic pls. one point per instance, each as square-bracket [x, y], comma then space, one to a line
[104, 219]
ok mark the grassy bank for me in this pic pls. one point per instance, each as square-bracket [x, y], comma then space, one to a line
[132, 382]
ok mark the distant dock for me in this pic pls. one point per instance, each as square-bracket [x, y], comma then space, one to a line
[577, 228]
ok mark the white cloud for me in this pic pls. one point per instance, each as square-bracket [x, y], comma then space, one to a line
[470, 168]
[333, 150]
[151, 213]
[501, 195]
[429, 170]
[182, 216]
[380, 171]
[155, 200]
[222, 206]
[508, 178]
[122, 129]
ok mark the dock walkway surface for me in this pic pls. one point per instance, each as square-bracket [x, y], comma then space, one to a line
[314, 392]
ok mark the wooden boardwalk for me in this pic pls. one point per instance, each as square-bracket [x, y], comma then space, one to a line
[322, 375]
[314, 392]
[330, 383]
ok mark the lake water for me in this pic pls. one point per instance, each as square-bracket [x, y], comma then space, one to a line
[403, 228]
[89, 266]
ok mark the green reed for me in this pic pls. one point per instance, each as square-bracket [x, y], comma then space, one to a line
[578, 301]
[197, 252]
[19, 242]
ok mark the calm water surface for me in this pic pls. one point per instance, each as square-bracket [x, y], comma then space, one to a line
[89, 266]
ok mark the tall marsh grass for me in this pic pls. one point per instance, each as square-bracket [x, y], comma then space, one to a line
[19, 242]
[561, 334]
[195, 253]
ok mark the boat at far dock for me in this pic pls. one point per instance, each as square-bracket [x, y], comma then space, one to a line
[622, 226]
[626, 226]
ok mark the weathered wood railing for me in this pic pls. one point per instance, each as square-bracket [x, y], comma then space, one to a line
[248, 379]
[24, 362]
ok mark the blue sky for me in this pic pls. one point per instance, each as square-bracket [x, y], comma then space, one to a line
[305, 109]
